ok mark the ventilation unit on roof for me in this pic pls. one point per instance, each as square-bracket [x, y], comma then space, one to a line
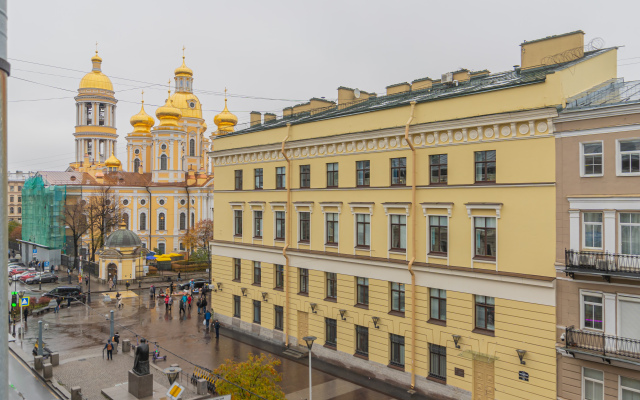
[447, 78]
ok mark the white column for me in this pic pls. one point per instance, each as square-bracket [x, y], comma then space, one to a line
[610, 231]
[134, 217]
[574, 229]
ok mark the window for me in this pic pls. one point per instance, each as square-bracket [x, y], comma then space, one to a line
[592, 384]
[362, 341]
[12, 188]
[332, 228]
[101, 113]
[486, 166]
[125, 219]
[181, 246]
[332, 285]
[279, 276]
[397, 350]
[238, 179]
[592, 230]
[257, 174]
[399, 232]
[11, 199]
[438, 168]
[280, 178]
[237, 269]
[193, 219]
[397, 297]
[485, 313]
[11, 210]
[437, 361]
[332, 174]
[161, 222]
[143, 222]
[20, 211]
[630, 388]
[257, 224]
[19, 188]
[592, 311]
[89, 113]
[363, 233]
[163, 162]
[305, 176]
[363, 173]
[305, 226]
[630, 233]
[257, 308]
[304, 280]
[485, 237]
[438, 234]
[280, 225]
[330, 332]
[362, 291]
[257, 273]
[591, 159]
[136, 165]
[161, 248]
[438, 300]
[237, 222]
[183, 221]
[629, 156]
[279, 318]
[399, 171]
[192, 147]
[236, 306]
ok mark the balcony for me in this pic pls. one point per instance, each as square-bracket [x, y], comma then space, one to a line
[602, 264]
[598, 344]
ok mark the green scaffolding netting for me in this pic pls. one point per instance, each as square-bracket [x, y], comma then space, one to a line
[42, 210]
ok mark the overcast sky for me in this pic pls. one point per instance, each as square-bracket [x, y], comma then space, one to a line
[270, 54]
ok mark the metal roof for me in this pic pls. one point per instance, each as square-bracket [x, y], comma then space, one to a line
[614, 92]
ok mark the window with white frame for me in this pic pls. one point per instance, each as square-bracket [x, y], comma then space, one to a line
[331, 228]
[630, 233]
[592, 384]
[591, 159]
[398, 232]
[592, 230]
[304, 226]
[485, 237]
[592, 311]
[363, 230]
[438, 226]
[629, 156]
[257, 224]
[237, 222]
[629, 388]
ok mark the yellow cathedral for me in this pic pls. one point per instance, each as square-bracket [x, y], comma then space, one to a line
[167, 187]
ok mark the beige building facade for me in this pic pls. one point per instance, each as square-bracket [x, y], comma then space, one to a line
[598, 244]
[15, 183]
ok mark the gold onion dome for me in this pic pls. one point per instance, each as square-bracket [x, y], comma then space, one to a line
[168, 115]
[112, 162]
[142, 122]
[96, 79]
[183, 69]
[225, 121]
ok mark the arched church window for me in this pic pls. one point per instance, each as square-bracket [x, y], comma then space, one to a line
[136, 165]
[192, 147]
[161, 222]
[161, 248]
[163, 162]
[143, 222]
[183, 221]
[193, 219]
[125, 219]
[89, 113]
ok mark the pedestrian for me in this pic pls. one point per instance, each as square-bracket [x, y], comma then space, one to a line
[127, 285]
[216, 326]
[68, 301]
[199, 304]
[152, 292]
[58, 301]
[109, 348]
[79, 279]
[207, 317]
[116, 341]
[170, 302]
[86, 280]
[119, 300]
[171, 289]
[203, 303]
[191, 284]
[182, 305]
[166, 304]
[189, 299]
[179, 276]
[110, 283]
[25, 313]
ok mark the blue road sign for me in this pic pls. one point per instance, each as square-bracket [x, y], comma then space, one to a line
[35, 251]
[46, 263]
[24, 301]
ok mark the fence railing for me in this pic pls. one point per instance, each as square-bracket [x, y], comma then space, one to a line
[88, 267]
[601, 343]
[602, 262]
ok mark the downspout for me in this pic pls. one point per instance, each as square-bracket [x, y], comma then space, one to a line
[287, 215]
[150, 219]
[413, 247]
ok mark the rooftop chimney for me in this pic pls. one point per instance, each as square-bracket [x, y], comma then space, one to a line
[552, 50]
[268, 117]
[398, 88]
[256, 118]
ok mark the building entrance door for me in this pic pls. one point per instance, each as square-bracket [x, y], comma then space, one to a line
[483, 380]
[112, 271]
[303, 327]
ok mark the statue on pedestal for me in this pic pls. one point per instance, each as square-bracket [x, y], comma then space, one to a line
[141, 361]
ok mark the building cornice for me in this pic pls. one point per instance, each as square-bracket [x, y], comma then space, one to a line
[614, 110]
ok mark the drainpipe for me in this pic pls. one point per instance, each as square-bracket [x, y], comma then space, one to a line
[150, 218]
[288, 240]
[413, 247]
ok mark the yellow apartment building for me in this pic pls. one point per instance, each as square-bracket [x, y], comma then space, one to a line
[412, 233]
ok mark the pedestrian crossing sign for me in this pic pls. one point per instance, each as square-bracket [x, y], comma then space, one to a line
[24, 301]
[175, 391]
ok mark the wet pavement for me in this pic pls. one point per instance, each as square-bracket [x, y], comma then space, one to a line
[24, 384]
[183, 338]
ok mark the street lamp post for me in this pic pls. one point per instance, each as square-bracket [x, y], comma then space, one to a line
[310, 340]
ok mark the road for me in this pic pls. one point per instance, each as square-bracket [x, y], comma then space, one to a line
[24, 385]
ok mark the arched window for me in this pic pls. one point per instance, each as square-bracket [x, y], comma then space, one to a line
[192, 147]
[125, 219]
[163, 162]
[161, 222]
[183, 221]
[143, 222]
[193, 220]
[10, 210]
[136, 165]
[19, 210]
[182, 246]
[161, 248]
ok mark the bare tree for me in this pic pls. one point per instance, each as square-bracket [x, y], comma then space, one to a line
[104, 214]
[74, 218]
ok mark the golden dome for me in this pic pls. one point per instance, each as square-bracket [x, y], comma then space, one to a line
[204, 127]
[188, 104]
[142, 122]
[96, 79]
[168, 115]
[225, 121]
[183, 70]
[112, 162]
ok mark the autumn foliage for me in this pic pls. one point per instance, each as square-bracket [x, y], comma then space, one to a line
[257, 374]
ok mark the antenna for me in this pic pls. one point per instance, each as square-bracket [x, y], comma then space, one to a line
[356, 92]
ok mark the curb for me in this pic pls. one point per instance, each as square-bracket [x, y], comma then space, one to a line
[52, 384]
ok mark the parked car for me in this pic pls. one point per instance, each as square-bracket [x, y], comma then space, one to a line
[30, 274]
[198, 284]
[22, 273]
[16, 264]
[75, 292]
[45, 277]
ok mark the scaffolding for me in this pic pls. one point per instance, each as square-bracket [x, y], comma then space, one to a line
[42, 213]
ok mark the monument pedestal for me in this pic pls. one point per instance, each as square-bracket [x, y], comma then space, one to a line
[140, 386]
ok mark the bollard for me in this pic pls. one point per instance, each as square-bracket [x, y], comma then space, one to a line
[76, 393]
[37, 363]
[111, 330]
[55, 359]
[126, 345]
[201, 386]
[40, 341]
[47, 371]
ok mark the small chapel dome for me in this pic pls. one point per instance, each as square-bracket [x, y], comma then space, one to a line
[123, 237]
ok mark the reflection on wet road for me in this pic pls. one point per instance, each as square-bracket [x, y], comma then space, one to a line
[24, 385]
